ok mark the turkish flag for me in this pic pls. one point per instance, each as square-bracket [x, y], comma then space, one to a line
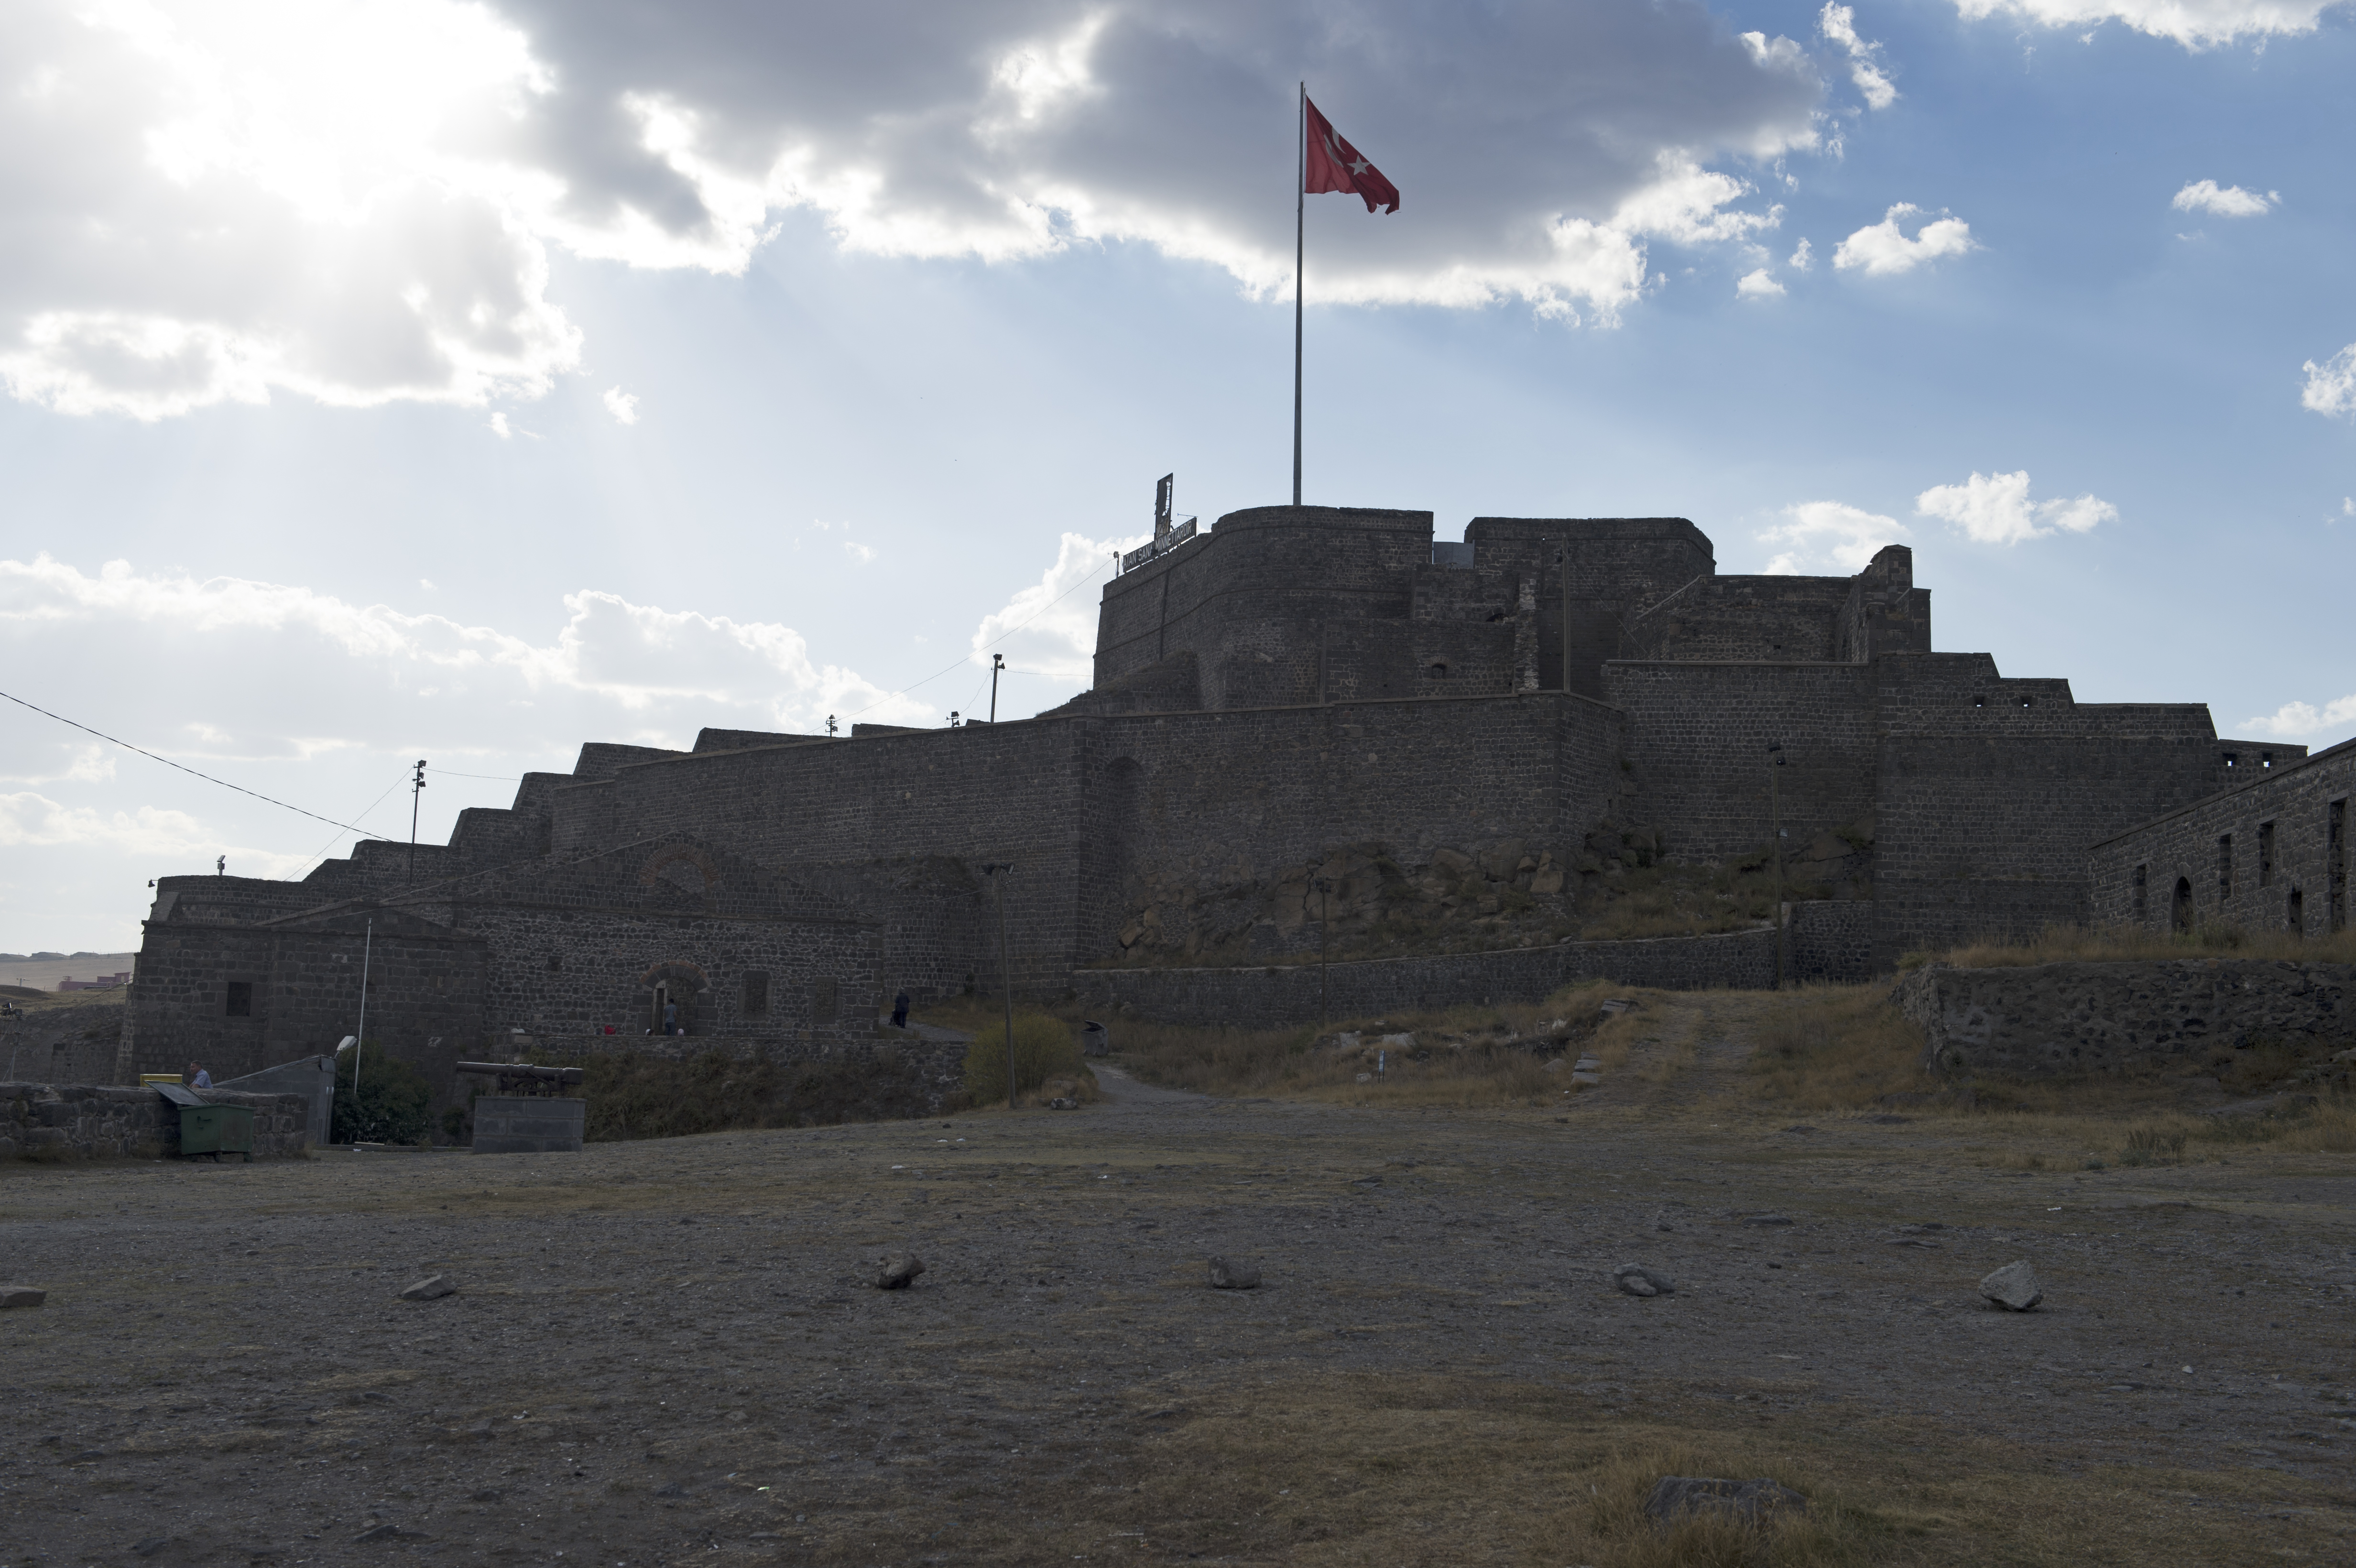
[1335, 165]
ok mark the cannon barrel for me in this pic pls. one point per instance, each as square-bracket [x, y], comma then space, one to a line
[523, 1070]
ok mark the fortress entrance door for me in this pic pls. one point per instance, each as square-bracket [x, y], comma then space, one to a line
[661, 1000]
[2180, 914]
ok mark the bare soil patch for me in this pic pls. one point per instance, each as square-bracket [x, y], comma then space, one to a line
[669, 1350]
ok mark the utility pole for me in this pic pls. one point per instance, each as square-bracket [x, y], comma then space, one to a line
[997, 871]
[416, 788]
[1775, 826]
[829, 726]
[997, 663]
[360, 1036]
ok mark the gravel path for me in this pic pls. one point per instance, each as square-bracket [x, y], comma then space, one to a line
[668, 1350]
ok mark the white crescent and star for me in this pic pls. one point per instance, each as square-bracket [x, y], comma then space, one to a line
[1350, 161]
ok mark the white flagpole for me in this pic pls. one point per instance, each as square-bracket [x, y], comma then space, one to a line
[1300, 209]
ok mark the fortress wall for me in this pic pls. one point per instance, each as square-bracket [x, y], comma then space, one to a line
[1278, 994]
[1250, 598]
[1992, 791]
[1698, 738]
[1617, 566]
[983, 793]
[601, 959]
[306, 997]
[2294, 876]
[1776, 619]
[1278, 787]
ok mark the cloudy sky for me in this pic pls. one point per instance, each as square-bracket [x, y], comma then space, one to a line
[462, 381]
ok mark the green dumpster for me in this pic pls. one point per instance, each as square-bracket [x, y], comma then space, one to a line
[215, 1130]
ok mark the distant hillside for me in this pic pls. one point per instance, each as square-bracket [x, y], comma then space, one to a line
[42, 971]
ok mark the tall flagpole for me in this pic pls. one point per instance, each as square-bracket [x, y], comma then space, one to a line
[1300, 209]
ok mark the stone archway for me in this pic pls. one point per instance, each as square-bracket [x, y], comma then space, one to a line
[2179, 913]
[674, 984]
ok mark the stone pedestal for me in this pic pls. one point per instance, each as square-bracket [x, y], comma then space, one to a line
[528, 1124]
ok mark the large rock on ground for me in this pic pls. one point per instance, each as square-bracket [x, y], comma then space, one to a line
[898, 1270]
[1635, 1279]
[2014, 1287]
[1225, 1275]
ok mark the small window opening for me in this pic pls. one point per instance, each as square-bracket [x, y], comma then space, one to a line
[2297, 913]
[2181, 912]
[1980, 700]
[756, 993]
[2265, 854]
[2266, 759]
[2230, 759]
[2026, 700]
[1437, 672]
[2225, 870]
[2142, 891]
[241, 999]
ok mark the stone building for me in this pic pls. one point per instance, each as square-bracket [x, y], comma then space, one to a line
[1301, 705]
[2269, 853]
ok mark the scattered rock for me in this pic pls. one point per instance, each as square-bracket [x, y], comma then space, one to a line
[1062, 1104]
[388, 1533]
[1886, 1121]
[1614, 1009]
[1635, 1279]
[1556, 1065]
[21, 1295]
[432, 1287]
[1587, 1064]
[486, 1495]
[898, 1270]
[1765, 1218]
[1585, 1079]
[1799, 1127]
[1225, 1275]
[152, 1545]
[670, 1489]
[1365, 1078]
[2014, 1288]
[1753, 1502]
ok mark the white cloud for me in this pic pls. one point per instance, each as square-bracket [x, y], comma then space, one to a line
[1802, 259]
[2231, 201]
[621, 405]
[1828, 537]
[857, 551]
[2195, 24]
[1838, 24]
[500, 427]
[1759, 285]
[1883, 249]
[2295, 721]
[1995, 509]
[2331, 385]
[217, 201]
[31, 821]
[1057, 615]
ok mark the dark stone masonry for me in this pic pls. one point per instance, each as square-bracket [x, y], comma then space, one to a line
[1295, 689]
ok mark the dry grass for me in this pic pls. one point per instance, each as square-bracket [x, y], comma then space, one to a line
[1359, 1469]
[1498, 1055]
[2077, 943]
[1839, 1047]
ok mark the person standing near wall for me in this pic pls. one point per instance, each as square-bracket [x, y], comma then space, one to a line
[900, 1010]
[670, 1018]
[198, 1078]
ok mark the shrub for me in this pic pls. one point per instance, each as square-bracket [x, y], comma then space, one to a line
[389, 1107]
[1044, 1049]
[633, 1095]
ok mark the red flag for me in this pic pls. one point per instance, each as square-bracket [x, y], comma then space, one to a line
[1335, 165]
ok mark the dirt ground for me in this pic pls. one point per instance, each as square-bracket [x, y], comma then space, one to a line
[667, 1350]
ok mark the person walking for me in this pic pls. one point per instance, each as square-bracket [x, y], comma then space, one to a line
[900, 1010]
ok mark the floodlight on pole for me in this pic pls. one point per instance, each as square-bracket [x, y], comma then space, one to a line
[416, 788]
[997, 663]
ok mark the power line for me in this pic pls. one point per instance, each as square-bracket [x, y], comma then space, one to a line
[330, 843]
[495, 778]
[993, 642]
[182, 766]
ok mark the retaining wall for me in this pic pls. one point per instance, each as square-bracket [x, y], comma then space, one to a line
[80, 1121]
[1288, 993]
[2065, 1019]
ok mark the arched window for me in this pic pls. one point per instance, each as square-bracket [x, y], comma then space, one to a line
[2180, 915]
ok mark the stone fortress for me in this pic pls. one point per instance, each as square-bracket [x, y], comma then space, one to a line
[1309, 726]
